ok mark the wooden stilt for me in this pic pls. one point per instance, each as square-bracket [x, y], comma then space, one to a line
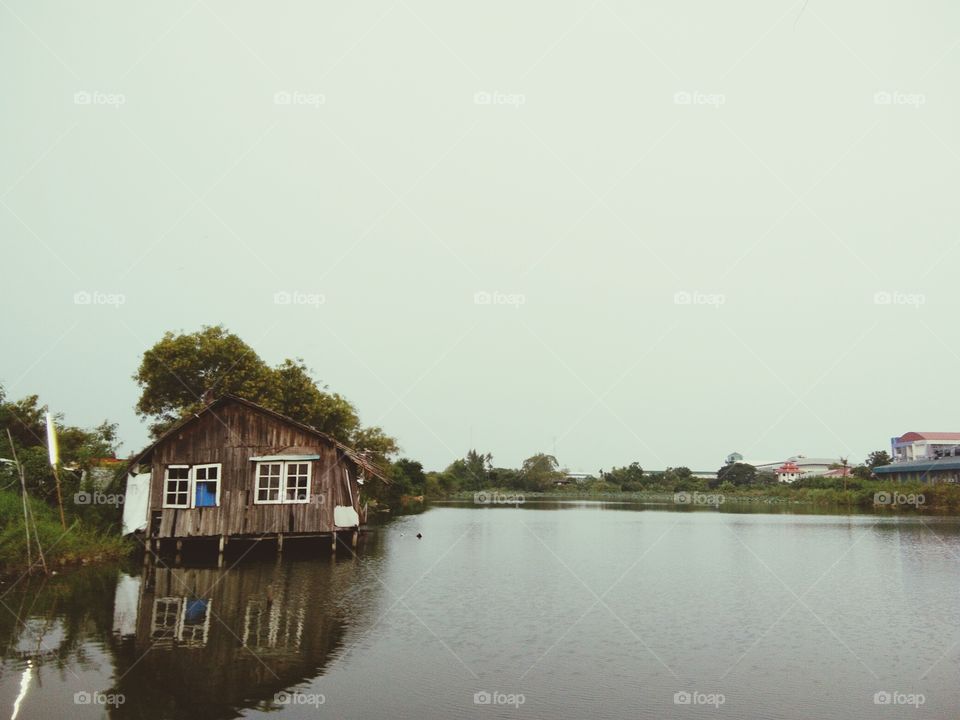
[279, 543]
[354, 538]
[333, 543]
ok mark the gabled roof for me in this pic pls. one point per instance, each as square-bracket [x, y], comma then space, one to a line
[911, 436]
[354, 455]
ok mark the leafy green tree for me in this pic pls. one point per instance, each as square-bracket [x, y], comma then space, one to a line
[408, 477]
[79, 448]
[737, 474]
[472, 472]
[629, 478]
[878, 458]
[540, 472]
[178, 370]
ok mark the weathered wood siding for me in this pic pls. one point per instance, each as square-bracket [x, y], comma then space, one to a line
[231, 435]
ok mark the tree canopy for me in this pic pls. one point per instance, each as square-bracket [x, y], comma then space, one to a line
[179, 369]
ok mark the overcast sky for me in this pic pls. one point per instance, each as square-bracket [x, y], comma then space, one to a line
[700, 227]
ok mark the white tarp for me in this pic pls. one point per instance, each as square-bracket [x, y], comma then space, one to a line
[345, 516]
[135, 503]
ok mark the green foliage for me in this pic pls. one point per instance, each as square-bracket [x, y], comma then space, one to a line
[540, 472]
[737, 474]
[878, 458]
[79, 448]
[407, 477]
[79, 543]
[175, 373]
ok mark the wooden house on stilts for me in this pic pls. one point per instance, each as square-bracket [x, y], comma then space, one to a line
[236, 469]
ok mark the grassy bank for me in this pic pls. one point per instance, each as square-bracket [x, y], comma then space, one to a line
[83, 542]
[860, 494]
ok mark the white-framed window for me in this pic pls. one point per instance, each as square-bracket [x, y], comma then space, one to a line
[176, 487]
[206, 485]
[269, 479]
[187, 486]
[282, 482]
[296, 482]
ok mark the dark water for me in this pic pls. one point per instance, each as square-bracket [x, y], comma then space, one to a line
[573, 610]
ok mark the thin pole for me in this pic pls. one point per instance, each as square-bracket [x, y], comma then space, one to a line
[23, 487]
[56, 477]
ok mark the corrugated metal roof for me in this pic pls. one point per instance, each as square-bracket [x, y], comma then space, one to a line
[919, 466]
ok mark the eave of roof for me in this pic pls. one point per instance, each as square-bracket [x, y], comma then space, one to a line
[919, 466]
[346, 449]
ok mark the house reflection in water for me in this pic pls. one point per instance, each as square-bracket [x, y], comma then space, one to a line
[209, 643]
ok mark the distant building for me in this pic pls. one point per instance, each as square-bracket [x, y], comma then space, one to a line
[919, 446]
[806, 466]
[840, 472]
[939, 470]
[788, 472]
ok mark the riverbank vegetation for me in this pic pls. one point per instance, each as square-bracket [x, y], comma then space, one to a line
[90, 487]
[541, 476]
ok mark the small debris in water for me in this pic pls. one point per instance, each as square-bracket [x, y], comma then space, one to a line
[419, 536]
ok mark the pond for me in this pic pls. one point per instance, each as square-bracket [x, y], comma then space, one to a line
[545, 610]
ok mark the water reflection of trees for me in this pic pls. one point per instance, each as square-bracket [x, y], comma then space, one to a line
[48, 622]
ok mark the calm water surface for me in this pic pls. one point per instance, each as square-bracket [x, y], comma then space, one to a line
[553, 610]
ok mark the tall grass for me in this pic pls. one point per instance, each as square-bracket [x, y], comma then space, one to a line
[80, 543]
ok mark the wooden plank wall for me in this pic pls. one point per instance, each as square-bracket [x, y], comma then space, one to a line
[231, 435]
